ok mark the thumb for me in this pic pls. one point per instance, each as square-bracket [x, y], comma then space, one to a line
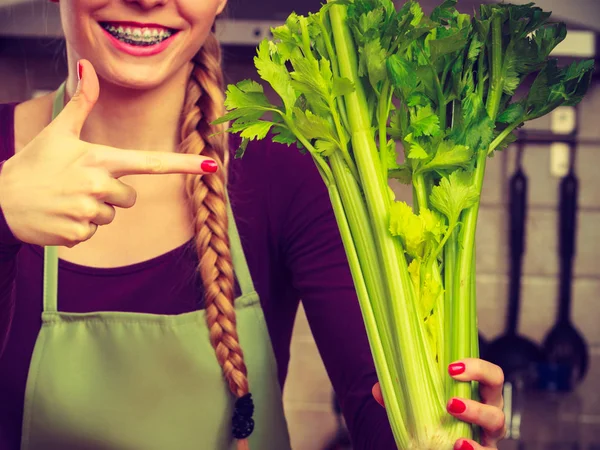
[76, 112]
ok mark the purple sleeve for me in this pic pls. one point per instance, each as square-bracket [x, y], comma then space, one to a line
[315, 255]
[9, 248]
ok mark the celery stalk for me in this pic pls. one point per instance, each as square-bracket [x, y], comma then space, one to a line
[463, 306]
[450, 251]
[349, 208]
[423, 416]
[378, 340]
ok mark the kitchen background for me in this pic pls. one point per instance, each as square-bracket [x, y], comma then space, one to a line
[32, 61]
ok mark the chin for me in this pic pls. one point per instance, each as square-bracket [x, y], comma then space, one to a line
[138, 79]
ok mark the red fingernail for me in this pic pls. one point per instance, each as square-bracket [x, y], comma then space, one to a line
[79, 70]
[456, 406]
[456, 369]
[209, 166]
[466, 445]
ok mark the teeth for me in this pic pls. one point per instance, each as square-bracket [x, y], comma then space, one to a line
[138, 36]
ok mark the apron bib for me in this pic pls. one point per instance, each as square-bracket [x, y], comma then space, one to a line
[130, 381]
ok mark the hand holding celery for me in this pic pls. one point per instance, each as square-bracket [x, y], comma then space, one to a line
[356, 79]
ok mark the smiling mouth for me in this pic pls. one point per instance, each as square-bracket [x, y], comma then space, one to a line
[138, 36]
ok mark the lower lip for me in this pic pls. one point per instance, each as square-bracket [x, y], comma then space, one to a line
[135, 50]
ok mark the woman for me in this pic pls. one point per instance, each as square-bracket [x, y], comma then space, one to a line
[145, 75]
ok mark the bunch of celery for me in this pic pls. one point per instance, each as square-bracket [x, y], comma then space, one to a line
[360, 78]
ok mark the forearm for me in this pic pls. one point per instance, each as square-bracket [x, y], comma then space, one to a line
[339, 332]
[309, 239]
[322, 276]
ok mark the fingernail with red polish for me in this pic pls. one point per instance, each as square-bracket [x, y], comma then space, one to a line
[466, 445]
[456, 369]
[79, 71]
[209, 166]
[456, 406]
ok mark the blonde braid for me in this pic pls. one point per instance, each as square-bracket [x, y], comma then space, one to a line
[205, 103]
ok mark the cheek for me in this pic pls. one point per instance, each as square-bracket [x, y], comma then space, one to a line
[76, 17]
[199, 14]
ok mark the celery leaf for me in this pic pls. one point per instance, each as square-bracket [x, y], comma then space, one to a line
[326, 148]
[409, 227]
[424, 122]
[554, 87]
[414, 269]
[514, 112]
[391, 155]
[445, 11]
[433, 225]
[342, 86]
[454, 194]
[308, 78]
[270, 68]
[475, 48]
[313, 126]
[253, 130]
[449, 156]
[246, 94]
[373, 62]
[282, 135]
[510, 139]
[417, 151]
[245, 102]
[448, 44]
[403, 75]
[421, 233]
[239, 153]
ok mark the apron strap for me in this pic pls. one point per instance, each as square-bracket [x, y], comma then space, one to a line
[240, 265]
[50, 279]
[51, 253]
[50, 302]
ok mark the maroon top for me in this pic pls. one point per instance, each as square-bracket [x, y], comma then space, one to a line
[294, 252]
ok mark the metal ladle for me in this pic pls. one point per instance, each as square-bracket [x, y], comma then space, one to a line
[515, 354]
[564, 345]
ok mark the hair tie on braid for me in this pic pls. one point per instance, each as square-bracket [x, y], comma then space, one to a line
[242, 421]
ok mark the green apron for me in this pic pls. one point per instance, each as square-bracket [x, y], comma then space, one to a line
[129, 381]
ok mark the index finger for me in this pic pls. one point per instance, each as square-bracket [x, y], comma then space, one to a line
[121, 162]
[489, 375]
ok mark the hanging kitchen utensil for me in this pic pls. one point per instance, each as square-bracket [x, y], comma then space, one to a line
[483, 346]
[515, 354]
[564, 345]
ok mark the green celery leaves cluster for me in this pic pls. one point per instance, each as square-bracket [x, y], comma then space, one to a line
[358, 80]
